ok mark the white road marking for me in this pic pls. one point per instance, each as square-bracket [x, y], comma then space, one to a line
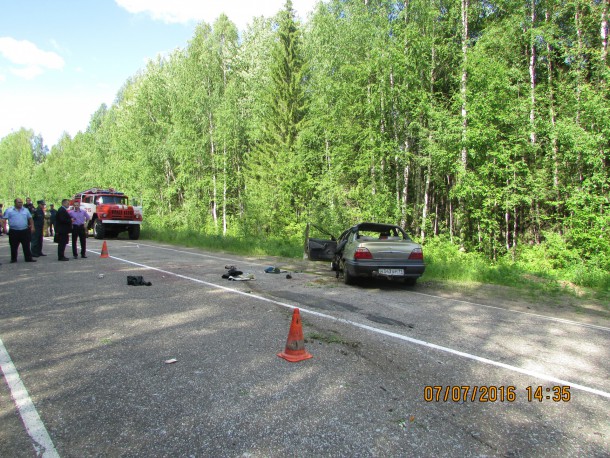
[29, 415]
[543, 317]
[538, 375]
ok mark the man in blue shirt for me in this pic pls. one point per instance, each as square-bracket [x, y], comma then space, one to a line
[21, 227]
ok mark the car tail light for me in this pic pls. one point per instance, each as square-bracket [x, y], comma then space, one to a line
[362, 253]
[417, 253]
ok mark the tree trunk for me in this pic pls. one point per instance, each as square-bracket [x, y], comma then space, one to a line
[552, 113]
[213, 160]
[426, 199]
[224, 190]
[461, 220]
[464, 81]
[405, 195]
[430, 140]
[604, 32]
[450, 209]
[436, 219]
[532, 69]
[507, 228]
[579, 77]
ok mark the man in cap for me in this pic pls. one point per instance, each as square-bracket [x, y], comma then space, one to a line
[38, 218]
[20, 232]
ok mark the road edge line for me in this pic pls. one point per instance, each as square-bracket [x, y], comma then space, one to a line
[42, 442]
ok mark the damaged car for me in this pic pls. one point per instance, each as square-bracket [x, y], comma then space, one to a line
[368, 250]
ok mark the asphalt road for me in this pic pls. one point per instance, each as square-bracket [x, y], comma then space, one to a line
[396, 371]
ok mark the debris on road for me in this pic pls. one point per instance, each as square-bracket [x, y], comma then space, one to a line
[137, 280]
[251, 277]
[236, 275]
[232, 272]
[273, 270]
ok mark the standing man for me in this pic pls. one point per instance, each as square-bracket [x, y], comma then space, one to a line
[79, 231]
[20, 232]
[38, 218]
[29, 205]
[47, 221]
[2, 231]
[53, 214]
[63, 229]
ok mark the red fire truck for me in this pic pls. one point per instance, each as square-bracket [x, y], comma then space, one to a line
[110, 212]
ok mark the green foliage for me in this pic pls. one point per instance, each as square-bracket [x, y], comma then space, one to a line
[285, 247]
[550, 265]
[17, 165]
[357, 115]
[278, 184]
[447, 261]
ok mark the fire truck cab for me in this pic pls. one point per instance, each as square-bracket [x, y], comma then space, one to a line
[110, 212]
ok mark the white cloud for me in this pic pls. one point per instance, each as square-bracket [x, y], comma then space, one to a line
[32, 60]
[29, 73]
[240, 12]
[51, 114]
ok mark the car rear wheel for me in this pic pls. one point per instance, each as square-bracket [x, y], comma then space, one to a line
[347, 278]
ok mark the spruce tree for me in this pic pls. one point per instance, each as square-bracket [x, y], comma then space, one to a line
[276, 180]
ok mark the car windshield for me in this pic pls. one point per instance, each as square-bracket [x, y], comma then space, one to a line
[112, 200]
[381, 233]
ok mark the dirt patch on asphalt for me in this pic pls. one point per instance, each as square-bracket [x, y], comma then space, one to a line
[559, 300]
[560, 303]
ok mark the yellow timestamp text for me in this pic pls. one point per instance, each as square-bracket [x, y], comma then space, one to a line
[492, 393]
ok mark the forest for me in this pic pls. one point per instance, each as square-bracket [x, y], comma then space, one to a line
[483, 125]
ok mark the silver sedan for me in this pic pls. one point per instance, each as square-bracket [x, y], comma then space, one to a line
[369, 250]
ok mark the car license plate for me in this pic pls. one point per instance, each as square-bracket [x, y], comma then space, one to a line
[391, 272]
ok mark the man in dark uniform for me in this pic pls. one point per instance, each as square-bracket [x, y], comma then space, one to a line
[53, 214]
[38, 218]
[29, 205]
[63, 229]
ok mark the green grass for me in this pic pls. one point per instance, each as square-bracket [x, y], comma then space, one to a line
[290, 248]
[533, 269]
[541, 269]
[330, 338]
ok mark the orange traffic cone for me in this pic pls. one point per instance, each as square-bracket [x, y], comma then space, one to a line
[295, 345]
[104, 250]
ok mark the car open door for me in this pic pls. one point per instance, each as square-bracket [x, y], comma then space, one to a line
[318, 249]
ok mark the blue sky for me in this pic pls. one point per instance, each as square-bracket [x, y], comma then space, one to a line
[61, 59]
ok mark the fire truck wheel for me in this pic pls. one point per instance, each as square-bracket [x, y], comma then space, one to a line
[98, 229]
[134, 232]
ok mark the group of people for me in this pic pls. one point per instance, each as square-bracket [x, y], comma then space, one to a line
[26, 228]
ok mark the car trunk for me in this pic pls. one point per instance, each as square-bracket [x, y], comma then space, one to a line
[389, 250]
